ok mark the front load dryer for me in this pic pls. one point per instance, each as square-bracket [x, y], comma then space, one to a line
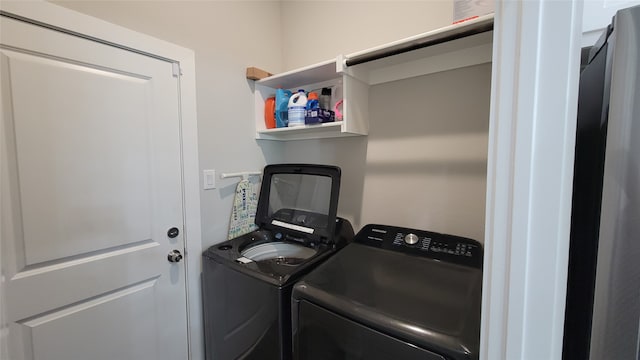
[393, 293]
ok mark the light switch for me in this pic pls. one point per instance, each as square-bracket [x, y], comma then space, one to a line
[209, 179]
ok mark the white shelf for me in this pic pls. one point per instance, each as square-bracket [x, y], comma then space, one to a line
[353, 92]
[459, 52]
[326, 130]
[455, 54]
[456, 46]
[312, 74]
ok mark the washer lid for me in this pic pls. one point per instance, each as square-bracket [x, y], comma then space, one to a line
[300, 199]
[430, 303]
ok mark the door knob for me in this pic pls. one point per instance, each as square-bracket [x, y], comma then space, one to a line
[174, 256]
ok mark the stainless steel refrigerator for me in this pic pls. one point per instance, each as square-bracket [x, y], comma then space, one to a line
[602, 317]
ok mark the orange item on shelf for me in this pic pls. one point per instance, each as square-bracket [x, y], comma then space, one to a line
[270, 112]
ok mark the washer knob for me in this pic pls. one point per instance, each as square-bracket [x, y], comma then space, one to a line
[411, 239]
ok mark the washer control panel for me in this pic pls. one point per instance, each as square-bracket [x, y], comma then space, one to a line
[411, 239]
[450, 248]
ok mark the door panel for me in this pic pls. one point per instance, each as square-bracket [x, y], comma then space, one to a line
[62, 334]
[91, 182]
[102, 192]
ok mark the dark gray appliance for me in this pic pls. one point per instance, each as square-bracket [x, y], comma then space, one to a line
[602, 313]
[247, 281]
[394, 293]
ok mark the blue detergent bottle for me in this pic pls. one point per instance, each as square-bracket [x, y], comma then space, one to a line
[282, 110]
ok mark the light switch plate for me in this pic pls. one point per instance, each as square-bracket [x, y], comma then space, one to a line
[209, 179]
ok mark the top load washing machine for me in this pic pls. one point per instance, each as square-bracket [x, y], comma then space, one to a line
[247, 281]
[394, 293]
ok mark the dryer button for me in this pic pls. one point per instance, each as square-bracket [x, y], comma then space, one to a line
[411, 239]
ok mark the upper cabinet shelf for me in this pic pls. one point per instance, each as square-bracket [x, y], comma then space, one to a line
[313, 74]
[451, 47]
[353, 92]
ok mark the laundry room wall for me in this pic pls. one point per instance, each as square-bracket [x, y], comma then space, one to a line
[423, 164]
[227, 37]
[418, 167]
[315, 31]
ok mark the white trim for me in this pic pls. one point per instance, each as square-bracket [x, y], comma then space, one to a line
[191, 191]
[64, 18]
[536, 60]
[4, 325]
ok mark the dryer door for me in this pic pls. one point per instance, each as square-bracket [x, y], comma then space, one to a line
[323, 335]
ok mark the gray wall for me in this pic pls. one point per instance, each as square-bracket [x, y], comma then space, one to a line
[344, 27]
[423, 164]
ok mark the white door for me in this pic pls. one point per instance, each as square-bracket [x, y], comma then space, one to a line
[90, 186]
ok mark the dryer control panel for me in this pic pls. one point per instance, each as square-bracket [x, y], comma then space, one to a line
[444, 247]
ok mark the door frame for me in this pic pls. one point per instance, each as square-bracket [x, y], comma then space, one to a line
[100, 30]
[534, 98]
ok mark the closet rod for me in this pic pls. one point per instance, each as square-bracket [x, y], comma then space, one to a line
[457, 32]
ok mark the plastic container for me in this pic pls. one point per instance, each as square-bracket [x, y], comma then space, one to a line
[270, 112]
[318, 116]
[325, 99]
[313, 105]
[297, 108]
[282, 111]
[312, 101]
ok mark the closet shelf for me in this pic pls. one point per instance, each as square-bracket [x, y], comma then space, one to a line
[451, 47]
[312, 74]
[326, 130]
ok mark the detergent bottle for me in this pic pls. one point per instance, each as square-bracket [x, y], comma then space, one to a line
[297, 108]
[312, 101]
[282, 100]
[313, 107]
[325, 99]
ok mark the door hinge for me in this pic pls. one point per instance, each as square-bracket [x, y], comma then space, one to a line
[177, 71]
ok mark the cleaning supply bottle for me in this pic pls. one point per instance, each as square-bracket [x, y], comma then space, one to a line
[297, 108]
[325, 99]
[312, 101]
[282, 112]
[311, 115]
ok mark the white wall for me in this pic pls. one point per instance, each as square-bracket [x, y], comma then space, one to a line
[314, 31]
[227, 36]
[436, 186]
[423, 164]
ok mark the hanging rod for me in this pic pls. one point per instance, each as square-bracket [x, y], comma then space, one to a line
[450, 33]
[244, 174]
